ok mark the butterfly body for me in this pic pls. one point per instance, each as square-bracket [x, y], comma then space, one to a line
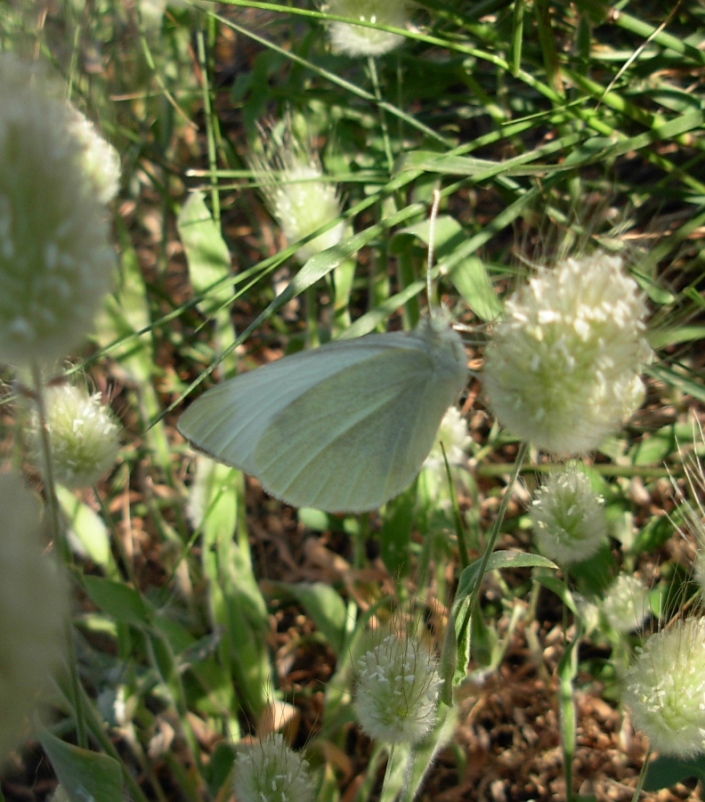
[342, 428]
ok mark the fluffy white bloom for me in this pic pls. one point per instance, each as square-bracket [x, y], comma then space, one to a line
[396, 697]
[357, 40]
[33, 610]
[562, 368]
[55, 258]
[269, 771]
[453, 434]
[665, 689]
[567, 517]
[101, 161]
[626, 604]
[295, 190]
[83, 435]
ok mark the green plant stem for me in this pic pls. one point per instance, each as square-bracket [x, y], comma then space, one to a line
[61, 544]
[211, 125]
[642, 777]
[374, 78]
[497, 526]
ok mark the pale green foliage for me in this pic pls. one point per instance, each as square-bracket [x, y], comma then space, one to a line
[665, 689]
[562, 367]
[567, 517]
[33, 610]
[356, 40]
[396, 697]
[83, 435]
[55, 260]
[269, 771]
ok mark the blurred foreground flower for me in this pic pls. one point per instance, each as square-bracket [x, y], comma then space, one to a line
[398, 684]
[83, 435]
[297, 195]
[562, 369]
[100, 160]
[269, 771]
[665, 689]
[567, 517]
[55, 258]
[33, 610]
[357, 40]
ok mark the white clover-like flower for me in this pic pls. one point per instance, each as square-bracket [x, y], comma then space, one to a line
[396, 695]
[562, 368]
[296, 191]
[83, 434]
[358, 40]
[567, 517]
[33, 611]
[55, 257]
[269, 771]
[101, 161]
[626, 605]
[453, 435]
[665, 689]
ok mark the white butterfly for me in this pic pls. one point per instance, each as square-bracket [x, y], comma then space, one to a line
[342, 428]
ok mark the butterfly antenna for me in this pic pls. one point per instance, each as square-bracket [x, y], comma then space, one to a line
[431, 244]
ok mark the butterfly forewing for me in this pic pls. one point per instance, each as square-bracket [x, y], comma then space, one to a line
[343, 428]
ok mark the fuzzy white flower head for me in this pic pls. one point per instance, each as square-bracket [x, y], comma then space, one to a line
[567, 517]
[83, 435]
[295, 190]
[33, 610]
[453, 435]
[269, 771]
[396, 696]
[562, 368]
[665, 689]
[101, 161]
[626, 605]
[358, 40]
[55, 258]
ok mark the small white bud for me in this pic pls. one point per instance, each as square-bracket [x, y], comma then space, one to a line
[567, 517]
[269, 771]
[83, 435]
[396, 696]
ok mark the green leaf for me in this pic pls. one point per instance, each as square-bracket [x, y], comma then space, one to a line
[395, 536]
[471, 280]
[655, 448]
[455, 655]
[498, 560]
[678, 380]
[667, 771]
[84, 775]
[88, 528]
[207, 254]
[447, 233]
[469, 276]
[119, 601]
[325, 607]
[663, 337]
